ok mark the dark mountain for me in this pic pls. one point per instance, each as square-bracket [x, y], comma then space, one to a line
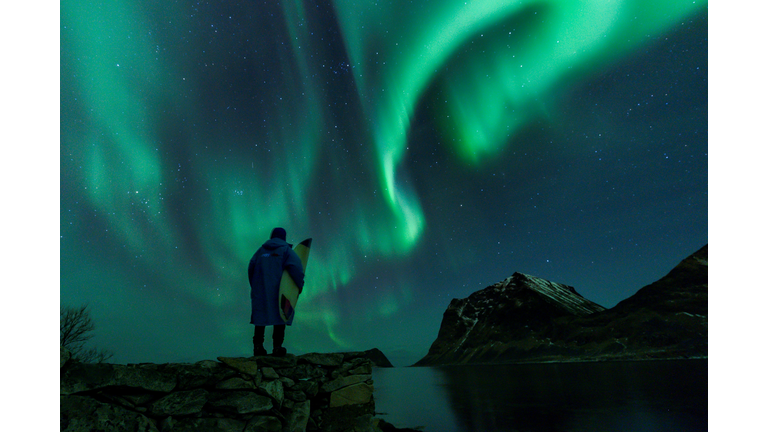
[506, 319]
[524, 318]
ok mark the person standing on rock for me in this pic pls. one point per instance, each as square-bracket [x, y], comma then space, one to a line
[265, 271]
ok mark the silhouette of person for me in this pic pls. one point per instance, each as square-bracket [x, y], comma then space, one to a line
[265, 271]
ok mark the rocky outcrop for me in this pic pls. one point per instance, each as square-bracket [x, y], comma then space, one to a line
[525, 318]
[313, 392]
[377, 357]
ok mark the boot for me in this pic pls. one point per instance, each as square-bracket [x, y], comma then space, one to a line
[278, 336]
[258, 342]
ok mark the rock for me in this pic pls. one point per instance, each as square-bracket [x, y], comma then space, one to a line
[344, 382]
[349, 365]
[375, 355]
[264, 424]
[312, 425]
[274, 389]
[278, 362]
[383, 426]
[82, 377]
[311, 388]
[242, 365]
[302, 371]
[242, 402]
[296, 396]
[327, 359]
[287, 382]
[269, 373]
[365, 369]
[204, 373]
[298, 418]
[364, 423]
[180, 403]
[139, 398]
[353, 395]
[223, 396]
[207, 424]
[147, 377]
[235, 383]
[84, 414]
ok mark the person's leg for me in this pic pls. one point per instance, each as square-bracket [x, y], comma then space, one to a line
[278, 336]
[258, 341]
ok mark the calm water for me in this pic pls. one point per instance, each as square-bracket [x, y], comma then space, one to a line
[607, 396]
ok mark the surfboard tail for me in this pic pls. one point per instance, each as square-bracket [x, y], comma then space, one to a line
[286, 308]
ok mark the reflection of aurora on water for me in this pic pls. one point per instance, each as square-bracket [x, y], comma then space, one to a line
[189, 131]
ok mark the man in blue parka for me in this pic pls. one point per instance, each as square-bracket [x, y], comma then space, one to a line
[264, 273]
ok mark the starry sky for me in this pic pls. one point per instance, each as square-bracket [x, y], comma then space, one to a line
[430, 149]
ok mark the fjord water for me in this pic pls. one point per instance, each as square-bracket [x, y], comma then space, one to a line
[627, 396]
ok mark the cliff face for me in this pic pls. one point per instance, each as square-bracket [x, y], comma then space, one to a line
[323, 392]
[525, 318]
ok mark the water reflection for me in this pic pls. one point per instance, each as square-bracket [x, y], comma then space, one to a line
[620, 396]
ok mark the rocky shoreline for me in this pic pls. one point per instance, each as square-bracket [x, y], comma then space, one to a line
[314, 392]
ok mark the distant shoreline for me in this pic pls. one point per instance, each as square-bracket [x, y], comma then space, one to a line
[575, 360]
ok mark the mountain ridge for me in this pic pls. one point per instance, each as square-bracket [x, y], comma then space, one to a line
[525, 318]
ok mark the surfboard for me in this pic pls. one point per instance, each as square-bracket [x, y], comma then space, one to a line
[289, 292]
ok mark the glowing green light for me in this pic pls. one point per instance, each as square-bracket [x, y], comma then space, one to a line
[495, 64]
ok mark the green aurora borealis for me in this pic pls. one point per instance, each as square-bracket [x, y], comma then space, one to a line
[429, 148]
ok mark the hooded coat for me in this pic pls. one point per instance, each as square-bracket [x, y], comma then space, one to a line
[264, 274]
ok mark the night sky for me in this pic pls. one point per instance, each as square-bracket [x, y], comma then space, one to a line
[430, 148]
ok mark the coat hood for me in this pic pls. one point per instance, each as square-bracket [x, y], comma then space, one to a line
[275, 243]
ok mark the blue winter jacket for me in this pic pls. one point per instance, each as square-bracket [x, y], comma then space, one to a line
[264, 273]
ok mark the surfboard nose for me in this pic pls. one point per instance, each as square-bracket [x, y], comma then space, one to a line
[307, 243]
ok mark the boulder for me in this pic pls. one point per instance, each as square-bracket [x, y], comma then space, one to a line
[147, 377]
[353, 395]
[184, 402]
[303, 371]
[277, 362]
[242, 402]
[235, 383]
[344, 381]
[274, 389]
[204, 373]
[322, 359]
[375, 355]
[264, 424]
[82, 377]
[269, 373]
[311, 388]
[242, 365]
[84, 414]
[296, 396]
[205, 424]
[297, 419]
